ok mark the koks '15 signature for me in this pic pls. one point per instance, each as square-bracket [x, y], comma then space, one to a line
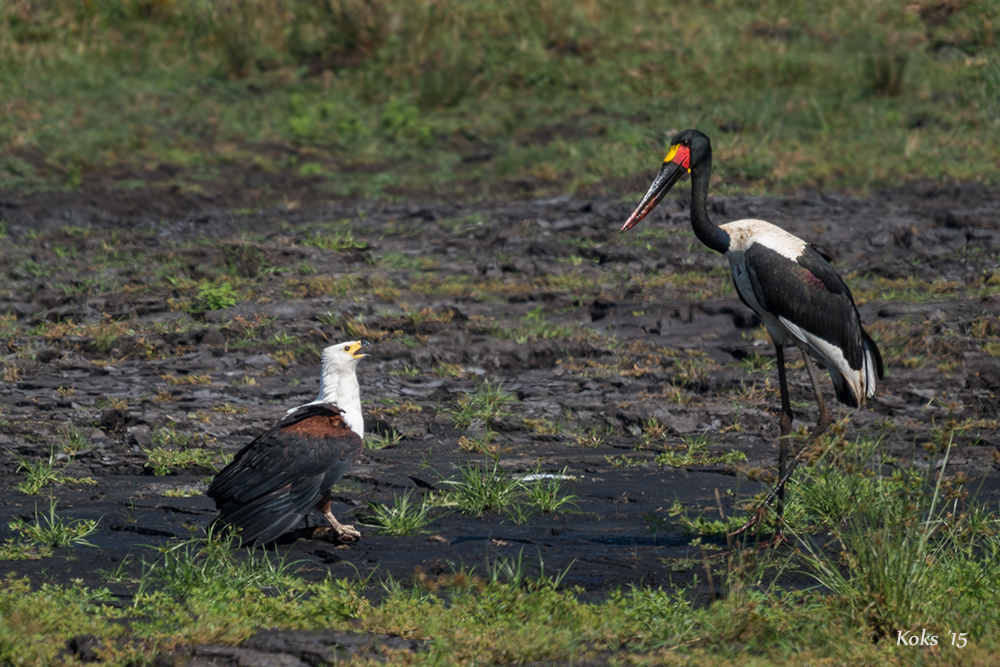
[905, 638]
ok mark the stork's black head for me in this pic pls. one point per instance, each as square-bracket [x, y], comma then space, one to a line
[699, 148]
[689, 150]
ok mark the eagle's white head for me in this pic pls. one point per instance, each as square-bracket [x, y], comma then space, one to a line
[338, 383]
[344, 357]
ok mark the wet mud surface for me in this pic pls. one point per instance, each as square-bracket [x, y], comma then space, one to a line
[596, 334]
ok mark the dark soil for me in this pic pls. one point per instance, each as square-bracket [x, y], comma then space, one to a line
[940, 365]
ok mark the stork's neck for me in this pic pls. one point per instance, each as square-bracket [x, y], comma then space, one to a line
[707, 232]
[342, 389]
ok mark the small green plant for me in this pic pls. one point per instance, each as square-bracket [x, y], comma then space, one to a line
[167, 435]
[693, 370]
[282, 338]
[402, 408]
[41, 473]
[336, 240]
[53, 531]
[212, 567]
[492, 489]
[590, 437]
[405, 517]
[536, 326]
[163, 461]
[487, 402]
[75, 441]
[383, 439]
[119, 574]
[448, 370]
[182, 492]
[699, 525]
[216, 297]
[652, 431]
[483, 489]
[546, 492]
[20, 550]
[694, 451]
[230, 409]
[483, 444]
[107, 333]
[757, 363]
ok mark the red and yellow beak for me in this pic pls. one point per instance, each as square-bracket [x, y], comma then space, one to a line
[677, 162]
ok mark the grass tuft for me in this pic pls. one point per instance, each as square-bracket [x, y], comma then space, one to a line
[487, 402]
[405, 517]
[52, 531]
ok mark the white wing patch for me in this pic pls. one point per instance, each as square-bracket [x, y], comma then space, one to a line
[861, 382]
[744, 233]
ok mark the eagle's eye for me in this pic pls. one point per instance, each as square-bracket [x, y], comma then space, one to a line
[347, 348]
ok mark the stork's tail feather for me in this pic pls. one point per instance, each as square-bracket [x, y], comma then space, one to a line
[845, 391]
[855, 390]
[873, 362]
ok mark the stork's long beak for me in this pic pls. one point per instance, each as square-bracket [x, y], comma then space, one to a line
[669, 173]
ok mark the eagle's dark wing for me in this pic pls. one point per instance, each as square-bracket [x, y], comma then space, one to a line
[277, 478]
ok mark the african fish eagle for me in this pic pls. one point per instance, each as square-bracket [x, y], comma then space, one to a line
[286, 471]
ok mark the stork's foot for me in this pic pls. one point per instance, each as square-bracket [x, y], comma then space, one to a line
[776, 541]
[752, 523]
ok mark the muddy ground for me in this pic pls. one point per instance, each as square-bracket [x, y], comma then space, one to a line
[609, 332]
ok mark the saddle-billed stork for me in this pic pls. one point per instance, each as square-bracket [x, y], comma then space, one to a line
[791, 285]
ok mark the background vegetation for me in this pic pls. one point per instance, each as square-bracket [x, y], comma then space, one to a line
[391, 97]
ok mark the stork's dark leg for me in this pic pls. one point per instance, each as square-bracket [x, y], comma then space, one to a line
[784, 446]
[344, 533]
[822, 424]
[824, 420]
[785, 423]
[785, 472]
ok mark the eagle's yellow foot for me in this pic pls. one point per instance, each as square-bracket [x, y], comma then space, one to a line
[343, 532]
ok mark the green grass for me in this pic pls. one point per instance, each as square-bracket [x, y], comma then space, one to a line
[546, 492]
[50, 531]
[488, 401]
[163, 461]
[535, 326]
[211, 567]
[895, 552]
[483, 489]
[910, 552]
[216, 297]
[383, 439]
[43, 472]
[693, 450]
[386, 96]
[202, 591]
[492, 489]
[406, 516]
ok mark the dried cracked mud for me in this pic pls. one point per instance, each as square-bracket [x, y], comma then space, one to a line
[594, 333]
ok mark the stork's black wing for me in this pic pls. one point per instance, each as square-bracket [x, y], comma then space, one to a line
[810, 294]
[281, 474]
